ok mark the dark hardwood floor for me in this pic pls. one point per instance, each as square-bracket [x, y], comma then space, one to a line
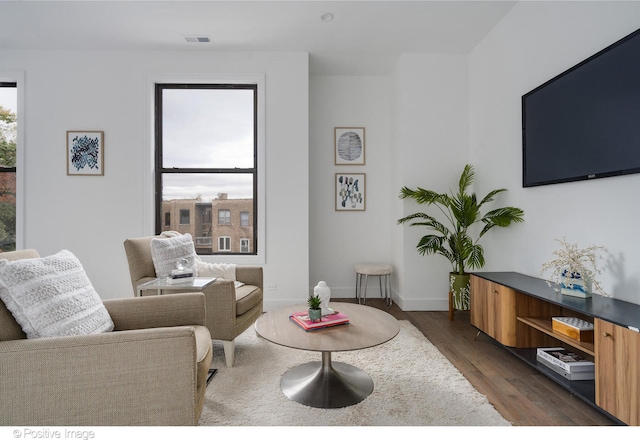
[520, 393]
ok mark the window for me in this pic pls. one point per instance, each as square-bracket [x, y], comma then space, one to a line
[244, 245]
[224, 244]
[167, 219]
[206, 216]
[8, 159]
[206, 153]
[224, 217]
[244, 219]
[185, 215]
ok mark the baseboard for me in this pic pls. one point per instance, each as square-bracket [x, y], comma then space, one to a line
[405, 304]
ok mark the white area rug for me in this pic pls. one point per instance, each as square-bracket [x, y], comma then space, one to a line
[414, 385]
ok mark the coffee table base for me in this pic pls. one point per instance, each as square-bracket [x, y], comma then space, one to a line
[326, 384]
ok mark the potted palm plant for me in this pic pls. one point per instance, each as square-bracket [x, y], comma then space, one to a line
[454, 241]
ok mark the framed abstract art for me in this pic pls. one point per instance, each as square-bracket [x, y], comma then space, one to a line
[350, 191]
[349, 145]
[85, 153]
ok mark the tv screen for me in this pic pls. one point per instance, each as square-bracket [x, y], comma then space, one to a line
[585, 122]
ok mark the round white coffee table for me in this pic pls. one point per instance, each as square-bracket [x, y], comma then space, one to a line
[328, 384]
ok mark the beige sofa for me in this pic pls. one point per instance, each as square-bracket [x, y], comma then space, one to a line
[229, 311]
[151, 370]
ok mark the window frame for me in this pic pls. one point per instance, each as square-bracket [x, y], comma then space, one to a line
[226, 217]
[244, 219]
[227, 240]
[17, 78]
[149, 214]
[184, 213]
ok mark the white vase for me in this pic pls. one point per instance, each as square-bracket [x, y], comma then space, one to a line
[573, 284]
[324, 293]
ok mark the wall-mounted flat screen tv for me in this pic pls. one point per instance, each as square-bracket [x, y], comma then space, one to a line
[585, 123]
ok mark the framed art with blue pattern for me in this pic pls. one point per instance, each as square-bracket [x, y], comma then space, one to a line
[85, 153]
[350, 192]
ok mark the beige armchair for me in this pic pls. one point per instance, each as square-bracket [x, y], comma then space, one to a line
[151, 370]
[229, 311]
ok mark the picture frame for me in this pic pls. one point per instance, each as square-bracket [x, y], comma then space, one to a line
[85, 153]
[350, 191]
[349, 145]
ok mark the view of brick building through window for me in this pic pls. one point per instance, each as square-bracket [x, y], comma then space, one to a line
[8, 211]
[218, 225]
[8, 133]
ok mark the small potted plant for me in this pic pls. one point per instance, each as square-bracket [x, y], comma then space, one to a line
[315, 312]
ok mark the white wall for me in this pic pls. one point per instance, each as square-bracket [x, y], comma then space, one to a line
[416, 134]
[430, 143]
[533, 43]
[107, 90]
[340, 239]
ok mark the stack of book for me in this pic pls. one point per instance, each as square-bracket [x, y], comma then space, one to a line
[569, 365]
[180, 276]
[331, 320]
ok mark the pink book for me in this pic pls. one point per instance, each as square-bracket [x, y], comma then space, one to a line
[302, 319]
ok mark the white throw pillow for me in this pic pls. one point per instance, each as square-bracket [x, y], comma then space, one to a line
[165, 252]
[52, 296]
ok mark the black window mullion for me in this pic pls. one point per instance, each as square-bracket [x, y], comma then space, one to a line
[158, 157]
[175, 170]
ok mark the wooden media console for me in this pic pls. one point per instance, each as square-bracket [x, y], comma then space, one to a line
[516, 310]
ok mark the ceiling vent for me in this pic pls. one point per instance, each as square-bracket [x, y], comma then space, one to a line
[195, 39]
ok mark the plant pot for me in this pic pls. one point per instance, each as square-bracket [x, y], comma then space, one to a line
[459, 287]
[573, 284]
[315, 315]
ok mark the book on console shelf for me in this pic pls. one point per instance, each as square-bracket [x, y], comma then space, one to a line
[578, 375]
[564, 360]
[331, 320]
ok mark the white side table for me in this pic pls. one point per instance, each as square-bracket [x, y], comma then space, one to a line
[159, 284]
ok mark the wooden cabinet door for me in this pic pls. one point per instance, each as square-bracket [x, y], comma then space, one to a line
[478, 303]
[504, 312]
[493, 310]
[617, 371]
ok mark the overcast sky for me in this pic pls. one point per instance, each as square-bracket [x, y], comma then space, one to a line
[8, 98]
[208, 128]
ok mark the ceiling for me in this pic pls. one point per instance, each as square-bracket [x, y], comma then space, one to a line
[364, 37]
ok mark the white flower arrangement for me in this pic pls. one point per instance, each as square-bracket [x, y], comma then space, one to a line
[572, 262]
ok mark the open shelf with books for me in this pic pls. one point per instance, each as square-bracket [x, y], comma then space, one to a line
[583, 389]
[544, 325]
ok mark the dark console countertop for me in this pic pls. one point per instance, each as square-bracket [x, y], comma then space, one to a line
[619, 312]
